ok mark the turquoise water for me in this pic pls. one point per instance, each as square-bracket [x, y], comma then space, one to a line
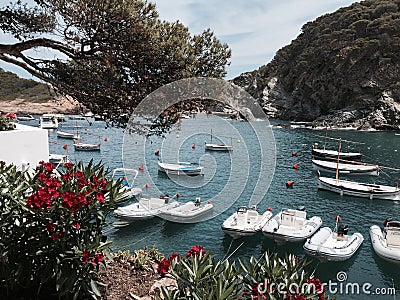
[382, 148]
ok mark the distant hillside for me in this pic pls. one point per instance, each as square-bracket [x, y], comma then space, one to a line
[12, 87]
[343, 69]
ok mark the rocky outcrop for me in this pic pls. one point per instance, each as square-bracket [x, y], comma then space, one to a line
[63, 105]
[341, 70]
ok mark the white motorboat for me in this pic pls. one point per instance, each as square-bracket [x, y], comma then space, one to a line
[334, 154]
[26, 118]
[291, 225]
[68, 135]
[145, 208]
[345, 168]
[218, 147]
[188, 212]
[245, 222]
[77, 118]
[328, 245]
[86, 147]
[58, 159]
[48, 121]
[387, 243]
[181, 168]
[356, 189]
[127, 190]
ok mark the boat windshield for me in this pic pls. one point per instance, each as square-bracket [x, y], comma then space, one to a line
[395, 224]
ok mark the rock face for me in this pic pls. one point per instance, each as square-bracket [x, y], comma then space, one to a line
[62, 105]
[341, 70]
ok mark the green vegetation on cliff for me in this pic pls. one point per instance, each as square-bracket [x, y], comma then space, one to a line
[13, 87]
[347, 60]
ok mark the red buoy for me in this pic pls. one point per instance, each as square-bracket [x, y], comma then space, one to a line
[65, 147]
[147, 185]
[178, 195]
[289, 183]
[157, 152]
[294, 153]
[141, 167]
[269, 208]
[295, 166]
[194, 146]
[106, 139]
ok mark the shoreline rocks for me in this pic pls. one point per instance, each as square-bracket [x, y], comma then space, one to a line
[62, 105]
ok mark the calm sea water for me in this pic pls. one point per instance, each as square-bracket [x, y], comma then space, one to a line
[225, 181]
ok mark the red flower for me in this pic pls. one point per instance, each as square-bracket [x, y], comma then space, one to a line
[100, 197]
[73, 202]
[57, 236]
[163, 267]
[51, 227]
[68, 165]
[80, 178]
[49, 167]
[77, 226]
[11, 115]
[85, 257]
[98, 257]
[174, 256]
[41, 199]
[196, 251]
[68, 176]
[256, 293]
[319, 287]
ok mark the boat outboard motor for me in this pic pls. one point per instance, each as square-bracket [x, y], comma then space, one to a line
[343, 230]
[301, 208]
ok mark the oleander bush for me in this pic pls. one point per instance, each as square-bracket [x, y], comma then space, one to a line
[51, 242]
[200, 276]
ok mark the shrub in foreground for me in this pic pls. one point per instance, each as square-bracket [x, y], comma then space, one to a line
[51, 223]
[200, 276]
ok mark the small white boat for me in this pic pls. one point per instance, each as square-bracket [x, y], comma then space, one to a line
[387, 243]
[245, 222]
[181, 168]
[334, 154]
[364, 190]
[57, 159]
[345, 168]
[328, 245]
[188, 212]
[48, 121]
[77, 118]
[127, 190]
[145, 208]
[86, 147]
[218, 147]
[68, 135]
[25, 118]
[291, 225]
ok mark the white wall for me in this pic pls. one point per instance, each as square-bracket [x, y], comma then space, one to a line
[24, 145]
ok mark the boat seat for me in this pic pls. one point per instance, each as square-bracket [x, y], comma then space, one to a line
[393, 237]
[241, 219]
[252, 216]
[301, 214]
[288, 218]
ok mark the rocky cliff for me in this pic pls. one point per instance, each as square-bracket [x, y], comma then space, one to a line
[24, 96]
[343, 70]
